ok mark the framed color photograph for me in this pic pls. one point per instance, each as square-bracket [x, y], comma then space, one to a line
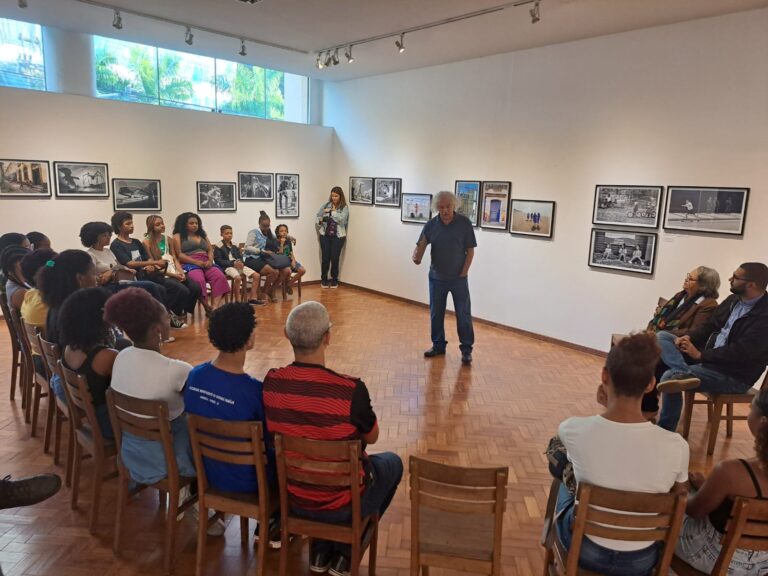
[360, 190]
[637, 206]
[416, 208]
[468, 199]
[287, 201]
[703, 209]
[532, 218]
[25, 179]
[216, 197]
[388, 191]
[494, 205]
[81, 180]
[256, 186]
[133, 195]
[623, 250]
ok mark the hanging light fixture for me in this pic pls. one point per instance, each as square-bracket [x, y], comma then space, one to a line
[534, 12]
[335, 58]
[189, 38]
[242, 52]
[401, 43]
[328, 59]
[117, 21]
[22, 3]
[348, 54]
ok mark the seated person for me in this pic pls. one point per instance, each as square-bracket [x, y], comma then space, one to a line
[33, 309]
[11, 239]
[231, 330]
[229, 258]
[709, 507]
[290, 392]
[38, 241]
[259, 246]
[285, 247]
[620, 449]
[723, 356]
[15, 286]
[87, 343]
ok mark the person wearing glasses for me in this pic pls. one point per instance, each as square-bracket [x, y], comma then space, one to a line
[727, 354]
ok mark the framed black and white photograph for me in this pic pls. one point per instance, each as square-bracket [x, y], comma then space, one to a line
[494, 205]
[388, 191]
[360, 190]
[532, 218]
[638, 206]
[25, 179]
[134, 195]
[706, 209]
[216, 197]
[416, 208]
[468, 199]
[623, 250]
[81, 180]
[287, 201]
[256, 186]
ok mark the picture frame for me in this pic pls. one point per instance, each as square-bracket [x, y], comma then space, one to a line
[716, 210]
[532, 218]
[468, 199]
[81, 179]
[287, 195]
[256, 186]
[494, 204]
[619, 205]
[361, 190]
[216, 196]
[416, 208]
[136, 195]
[388, 192]
[623, 250]
[25, 178]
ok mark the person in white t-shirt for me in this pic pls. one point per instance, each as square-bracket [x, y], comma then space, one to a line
[620, 449]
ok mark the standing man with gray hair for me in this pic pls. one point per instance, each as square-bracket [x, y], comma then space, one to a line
[453, 247]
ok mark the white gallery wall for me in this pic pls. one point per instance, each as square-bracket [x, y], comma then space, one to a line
[178, 147]
[685, 104]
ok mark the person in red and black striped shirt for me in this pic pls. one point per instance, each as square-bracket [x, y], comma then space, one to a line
[307, 400]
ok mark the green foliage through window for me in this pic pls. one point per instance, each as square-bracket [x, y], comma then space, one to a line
[21, 55]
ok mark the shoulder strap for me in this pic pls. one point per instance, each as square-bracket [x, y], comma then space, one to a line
[754, 478]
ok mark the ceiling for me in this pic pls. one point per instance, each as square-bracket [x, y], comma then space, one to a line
[311, 25]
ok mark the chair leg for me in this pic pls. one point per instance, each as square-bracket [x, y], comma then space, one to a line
[261, 553]
[714, 426]
[354, 569]
[71, 441]
[202, 540]
[688, 413]
[263, 539]
[14, 369]
[49, 416]
[298, 287]
[122, 502]
[76, 462]
[58, 417]
[373, 550]
[98, 480]
[38, 391]
[244, 530]
[170, 529]
[729, 420]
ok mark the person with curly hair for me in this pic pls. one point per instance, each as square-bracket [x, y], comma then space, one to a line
[285, 247]
[11, 239]
[15, 286]
[38, 241]
[33, 309]
[260, 246]
[709, 507]
[88, 347]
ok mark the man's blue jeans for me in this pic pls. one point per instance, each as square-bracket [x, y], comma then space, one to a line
[438, 298]
[711, 380]
[598, 558]
[387, 471]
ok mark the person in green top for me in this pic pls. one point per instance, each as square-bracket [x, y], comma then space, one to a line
[285, 247]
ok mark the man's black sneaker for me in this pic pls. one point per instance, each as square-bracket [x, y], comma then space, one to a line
[432, 352]
[340, 566]
[320, 562]
[28, 491]
[325, 284]
[466, 358]
[275, 540]
[334, 283]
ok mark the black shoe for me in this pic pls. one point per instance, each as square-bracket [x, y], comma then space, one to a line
[466, 358]
[273, 533]
[28, 491]
[340, 566]
[334, 283]
[432, 352]
[320, 562]
[324, 284]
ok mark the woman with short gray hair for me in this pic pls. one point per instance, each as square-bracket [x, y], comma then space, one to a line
[692, 306]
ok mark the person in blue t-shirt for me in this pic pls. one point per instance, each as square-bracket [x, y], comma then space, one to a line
[453, 247]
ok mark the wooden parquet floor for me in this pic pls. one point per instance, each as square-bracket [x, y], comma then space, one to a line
[501, 411]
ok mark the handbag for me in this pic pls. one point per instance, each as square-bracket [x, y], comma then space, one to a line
[170, 270]
[276, 261]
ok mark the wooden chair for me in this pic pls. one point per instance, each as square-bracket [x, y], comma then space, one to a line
[88, 439]
[456, 517]
[618, 515]
[715, 403]
[747, 529]
[324, 464]
[27, 366]
[57, 406]
[15, 348]
[148, 419]
[40, 382]
[232, 443]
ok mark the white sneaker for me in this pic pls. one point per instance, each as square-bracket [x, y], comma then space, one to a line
[184, 495]
[217, 528]
[169, 340]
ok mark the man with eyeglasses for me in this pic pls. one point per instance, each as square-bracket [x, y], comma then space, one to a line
[724, 356]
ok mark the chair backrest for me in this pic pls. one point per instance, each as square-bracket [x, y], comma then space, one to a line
[319, 464]
[82, 414]
[8, 320]
[627, 516]
[21, 336]
[747, 530]
[32, 332]
[146, 419]
[228, 442]
[457, 513]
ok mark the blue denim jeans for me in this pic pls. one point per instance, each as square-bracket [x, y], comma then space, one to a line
[386, 472]
[145, 459]
[711, 380]
[438, 298]
[597, 558]
[102, 412]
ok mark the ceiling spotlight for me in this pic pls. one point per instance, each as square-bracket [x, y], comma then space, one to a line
[319, 61]
[242, 48]
[401, 43]
[327, 59]
[250, 1]
[534, 12]
[189, 38]
[117, 21]
[348, 54]
[22, 3]
[335, 58]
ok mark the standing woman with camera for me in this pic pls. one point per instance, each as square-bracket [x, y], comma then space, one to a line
[332, 221]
